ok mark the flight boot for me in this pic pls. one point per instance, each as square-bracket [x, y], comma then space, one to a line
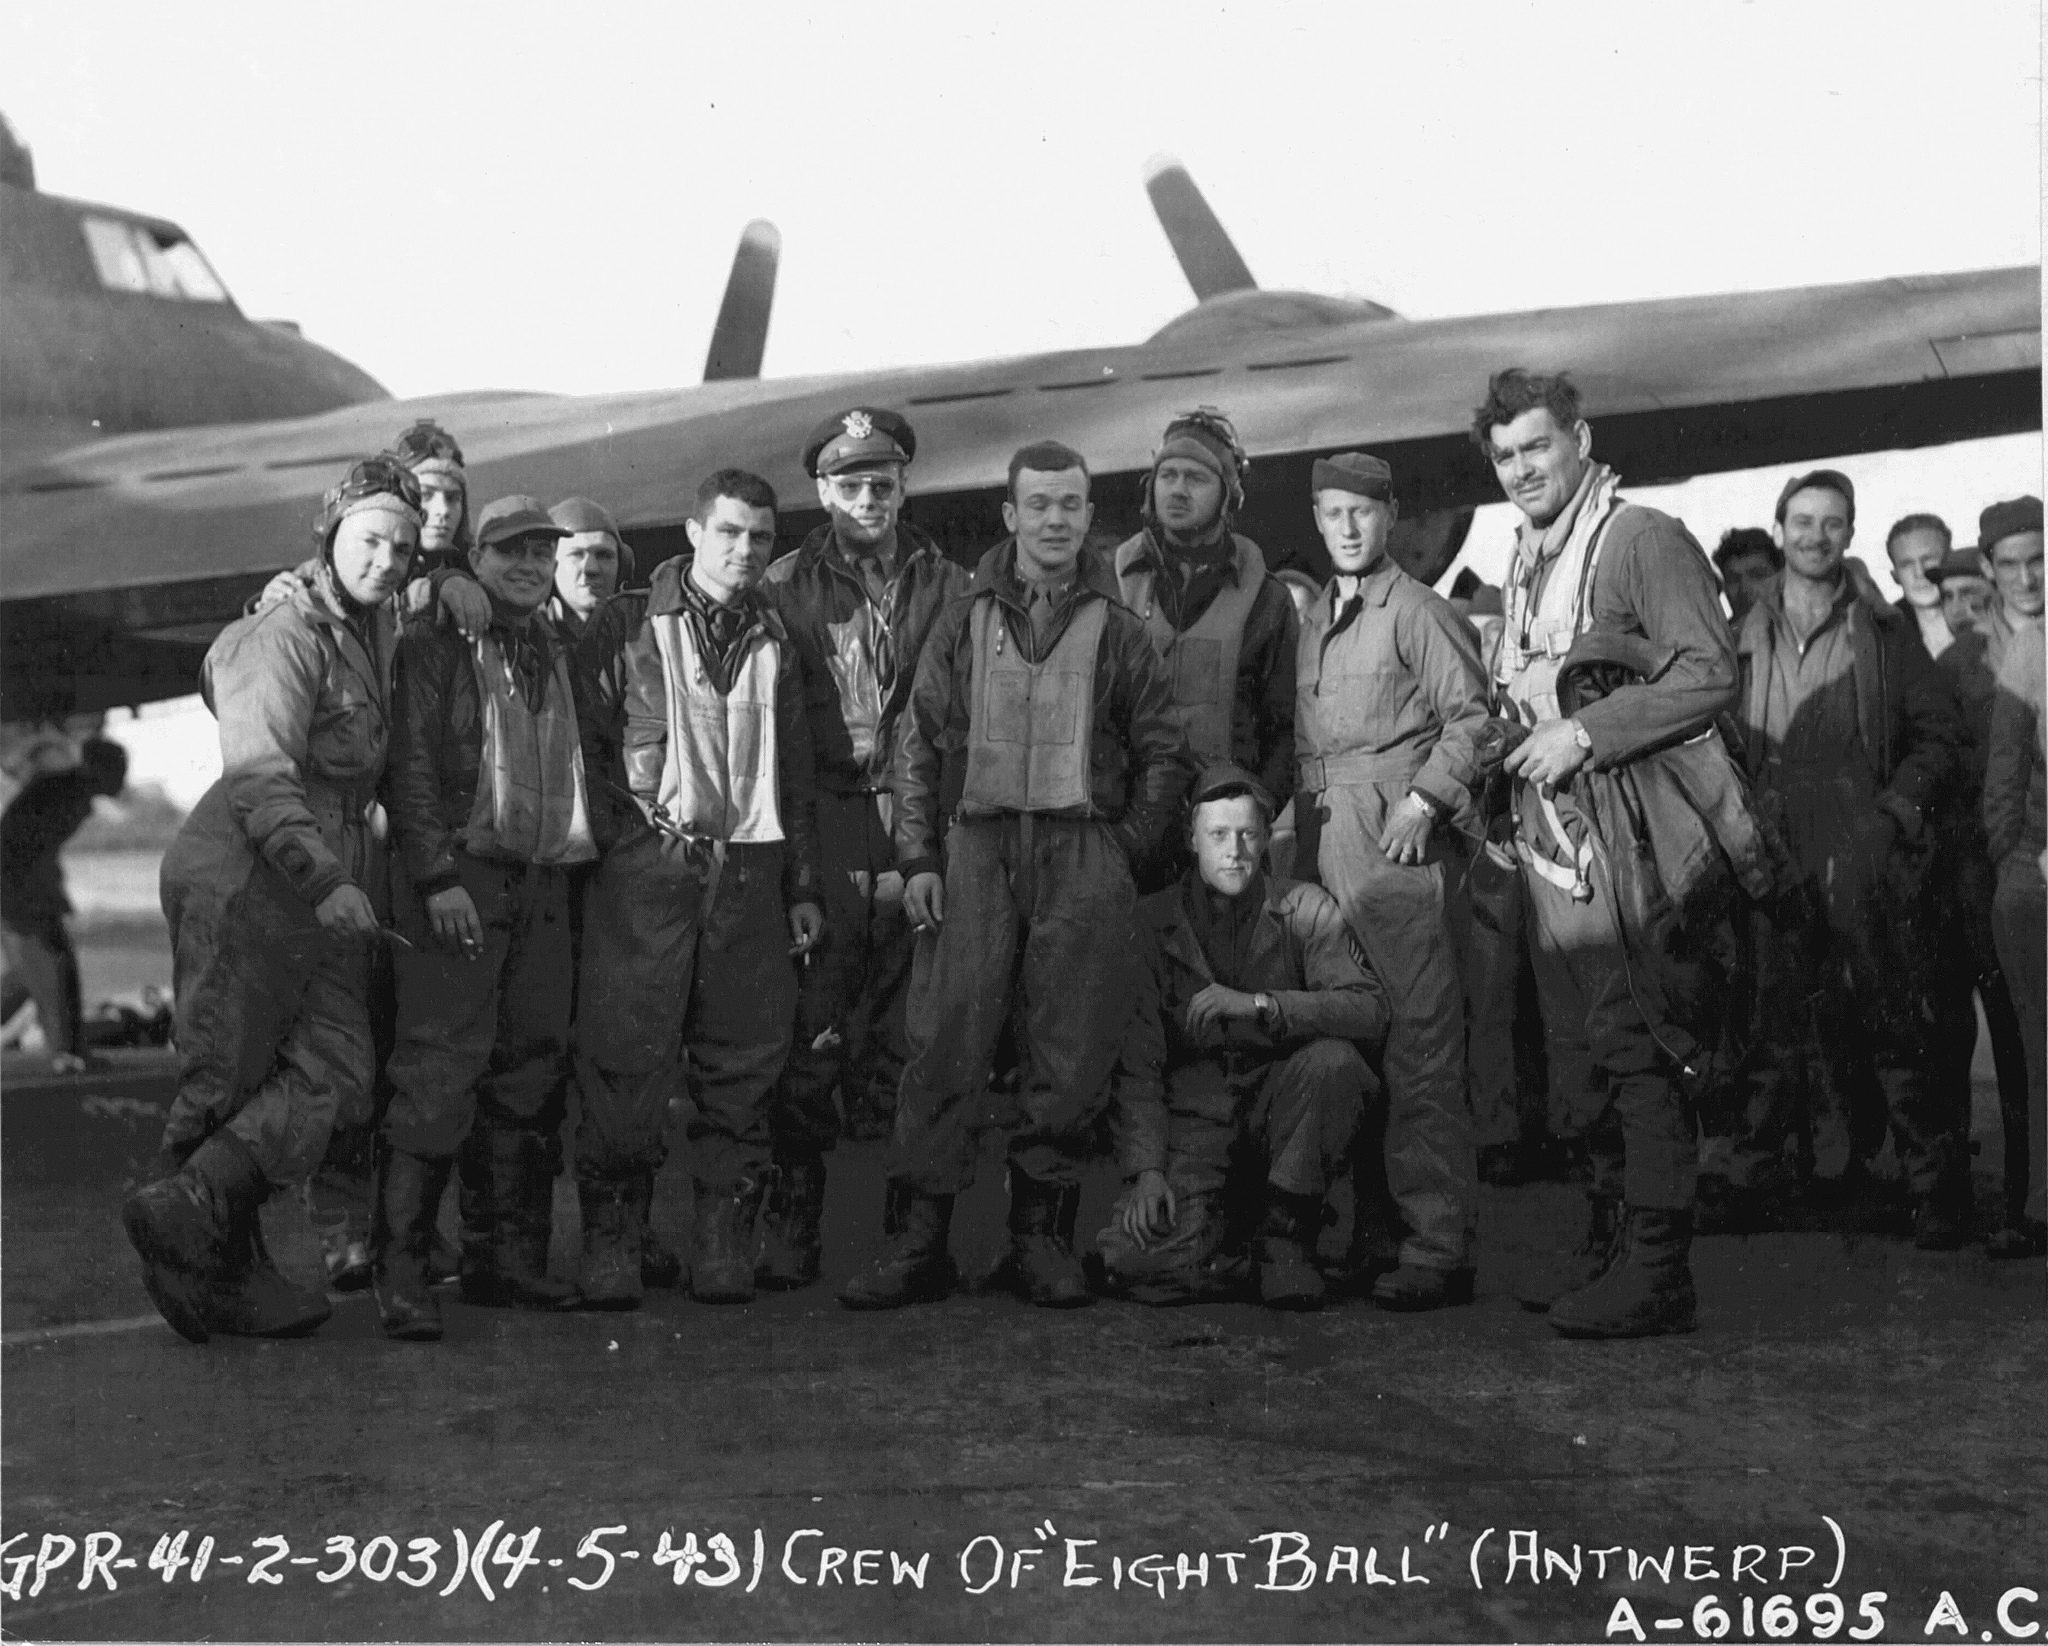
[1041, 1266]
[521, 1221]
[914, 1266]
[1284, 1271]
[791, 1246]
[1413, 1288]
[409, 1189]
[1550, 1278]
[610, 1277]
[661, 1267]
[184, 1225]
[722, 1240]
[1645, 1291]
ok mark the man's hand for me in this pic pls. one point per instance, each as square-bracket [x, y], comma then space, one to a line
[888, 889]
[464, 603]
[1215, 1006]
[346, 912]
[278, 590]
[455, 920]
[1406, 837]
[1148, 1209]
[806, 926]
[924, 900]
[1549, 755]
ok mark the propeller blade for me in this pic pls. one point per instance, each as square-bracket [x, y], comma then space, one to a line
[1199, 241]
[741, 335]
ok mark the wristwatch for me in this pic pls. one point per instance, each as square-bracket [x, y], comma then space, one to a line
[1425, 805]
[1581, 736]
[1268, 1007]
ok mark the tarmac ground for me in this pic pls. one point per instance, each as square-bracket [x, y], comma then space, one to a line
[1368, 1476]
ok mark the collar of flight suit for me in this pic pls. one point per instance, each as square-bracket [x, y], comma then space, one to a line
[1180, 939]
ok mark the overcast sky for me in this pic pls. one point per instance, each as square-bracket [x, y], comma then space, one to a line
[547, 196]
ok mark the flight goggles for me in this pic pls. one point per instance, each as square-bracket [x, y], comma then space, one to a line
[382, 482]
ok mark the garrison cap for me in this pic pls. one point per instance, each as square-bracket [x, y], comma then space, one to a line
[1222, 779]
[2015, 514]
[858, 438]
[1832, 480]
[1358, 472]
[514, 516]
[1961, 562]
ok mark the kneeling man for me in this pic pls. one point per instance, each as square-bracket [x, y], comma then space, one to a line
[1244, 1045]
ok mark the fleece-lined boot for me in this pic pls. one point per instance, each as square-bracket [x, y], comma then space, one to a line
[610, 1276]
[914, 1266]
[791, 1245]
[409, 1189]
[1646, 1291]
[182, 1226]
[722, 1240]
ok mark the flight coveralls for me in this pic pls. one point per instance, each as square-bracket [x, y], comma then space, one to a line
[699, 713]
[1284, 1097]
[486, 794]
[1623, 568]
[856, 654]
[1075, 763]
[1852, 736]
[274, 1040]
[1225, 631]
[1391, 696]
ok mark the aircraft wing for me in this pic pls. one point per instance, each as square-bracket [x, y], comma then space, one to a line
[161, 536]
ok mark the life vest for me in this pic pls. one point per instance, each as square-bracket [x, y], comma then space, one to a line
[1539, 632]
[719, 775]
[1031, 725]
[1202, 658]
[530, 803]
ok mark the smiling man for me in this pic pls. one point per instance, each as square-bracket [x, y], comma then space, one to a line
[858, 599]
[1245, 1048]
[1391, 699]
[1075, 764]
[694, 716]
[1224, 627]
[1853, 737]
[489, 812]
[1587, 562]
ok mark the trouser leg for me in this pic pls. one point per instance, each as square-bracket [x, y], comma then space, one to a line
[43, 964]
[241, 960]
[831, 984]
[1633, 1077]
[2019, 915]
[1076, 999]
[1887, 969]
[323, 1064]
[1308, 1110]
[524, 1086]
[1493, 952]
[448, 1019]
[959, 994]
[737, 1031]
[1788, 947]
[639, 959]
[1403, 916]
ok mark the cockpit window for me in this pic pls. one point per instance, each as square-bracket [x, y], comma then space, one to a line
[130, 257]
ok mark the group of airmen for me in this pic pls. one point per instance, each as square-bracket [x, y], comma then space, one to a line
[1150, 848]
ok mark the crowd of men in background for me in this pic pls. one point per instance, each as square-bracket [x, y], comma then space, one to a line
[1253, 874]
